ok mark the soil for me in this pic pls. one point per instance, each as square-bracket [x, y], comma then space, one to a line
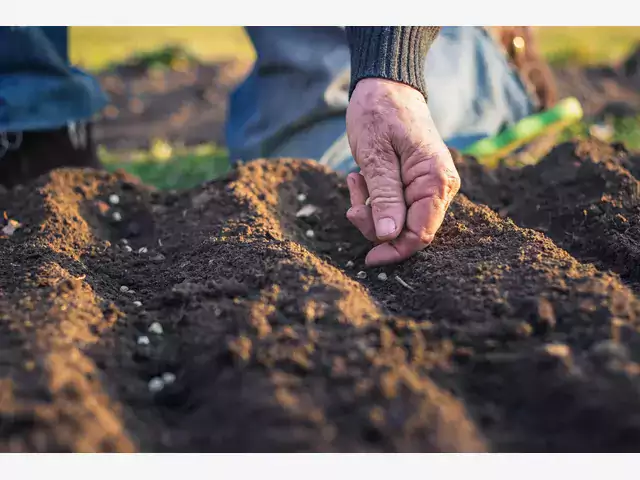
[493, 339]
[185, 105]
[604, 90]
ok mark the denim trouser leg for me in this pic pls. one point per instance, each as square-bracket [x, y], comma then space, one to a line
[294, 101]
[38, 88]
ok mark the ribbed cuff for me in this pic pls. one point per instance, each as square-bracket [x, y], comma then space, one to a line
[393, 53]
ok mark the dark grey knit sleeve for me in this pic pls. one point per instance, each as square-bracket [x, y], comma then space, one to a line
[394, 53]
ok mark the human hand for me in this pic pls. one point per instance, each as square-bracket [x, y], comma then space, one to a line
[406, 170]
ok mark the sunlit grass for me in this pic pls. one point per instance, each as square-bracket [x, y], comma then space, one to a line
[183, 168]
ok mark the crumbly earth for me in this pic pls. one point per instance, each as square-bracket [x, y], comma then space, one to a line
[496, 338]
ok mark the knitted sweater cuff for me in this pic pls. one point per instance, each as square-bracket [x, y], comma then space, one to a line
[393, 53]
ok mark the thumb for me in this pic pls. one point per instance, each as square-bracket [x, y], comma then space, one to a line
[381, 171]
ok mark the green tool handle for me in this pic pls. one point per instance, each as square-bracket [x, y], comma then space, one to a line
[489, 150]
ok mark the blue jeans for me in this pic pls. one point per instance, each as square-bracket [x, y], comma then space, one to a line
[293, 102]
[39, 90]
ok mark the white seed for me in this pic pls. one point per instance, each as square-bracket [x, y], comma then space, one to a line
[117, 216]
[306, 211]
[339, 249]
[124, 241]
[361, 274]
[143, 340]
[302, 197]
[159, 242]
[124, 288]
[156, 328]
[137, 303]
[142, 250]
[367, 201]
[310, 233]
[349, 264]
[156, 384]
[168, 378]
[128, 248]
[382, 276]
[131, 292]
[114, 199]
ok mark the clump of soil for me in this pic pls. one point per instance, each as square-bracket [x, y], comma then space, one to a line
[269, 339]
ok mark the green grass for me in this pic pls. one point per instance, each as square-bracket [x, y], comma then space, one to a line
[183, 169]
[587, 45]
[96, 48]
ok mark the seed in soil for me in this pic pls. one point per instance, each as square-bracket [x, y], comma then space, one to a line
[157, 258]
[361, 274]
[117, 216]
[114, 199]
[143, 340]
[168, 378]
[156, 384]
[124, 241]
[349, 264]
[124, 288]
[404, 284]
[310, 233]
[137, 303]
[156, 328]
[302, 197]
[10, 228]
[382, 276]
[143, 250]
[306, 211]
[367, 202]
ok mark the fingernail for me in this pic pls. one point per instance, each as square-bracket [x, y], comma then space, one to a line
[385, 226]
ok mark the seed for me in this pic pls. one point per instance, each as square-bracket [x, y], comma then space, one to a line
[361, 274]
[156, 384]
[310, 233]
[156, 328]
[349, 264]
[114, 199]
[131, 292]
[117, 216]
[137, 303]
[382, 276]
[128, 248]
[306, 211]
[158, 258]
[124, 288]
[168, 378]
[124, 241]
[143, 250]
[367, 201]
[143, 340]
[302, 197]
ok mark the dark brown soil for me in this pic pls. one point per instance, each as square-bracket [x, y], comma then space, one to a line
[604, 90]
[586, 197]
[493, 339]
[182, 106]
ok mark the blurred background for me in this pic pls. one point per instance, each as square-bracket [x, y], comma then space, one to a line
[169, 86]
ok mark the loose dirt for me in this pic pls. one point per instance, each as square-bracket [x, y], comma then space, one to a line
[492, 339]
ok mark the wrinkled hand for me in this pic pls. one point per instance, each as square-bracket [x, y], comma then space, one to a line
[406, 170]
